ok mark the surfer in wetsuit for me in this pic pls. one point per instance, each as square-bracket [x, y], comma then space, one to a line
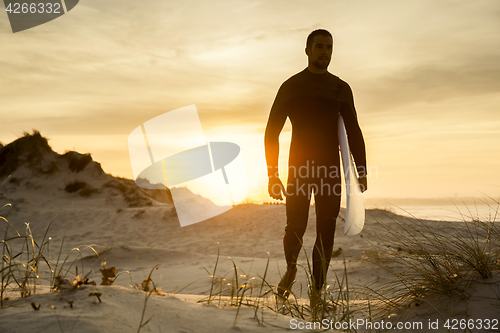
[312, 100]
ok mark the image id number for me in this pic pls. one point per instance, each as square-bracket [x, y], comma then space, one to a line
[41, 8]
[471, 324]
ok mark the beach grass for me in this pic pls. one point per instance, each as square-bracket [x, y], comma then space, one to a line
[21, 259]
[423, 261]
[237, 288]
[23, 256]
[26, 261]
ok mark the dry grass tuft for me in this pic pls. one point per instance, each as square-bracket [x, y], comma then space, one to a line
[424, 261]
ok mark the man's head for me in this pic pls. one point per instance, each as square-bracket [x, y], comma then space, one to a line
[319, 48]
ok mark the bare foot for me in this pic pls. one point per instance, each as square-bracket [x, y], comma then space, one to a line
[286, 282]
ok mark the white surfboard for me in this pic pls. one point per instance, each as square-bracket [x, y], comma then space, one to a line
[355, 208]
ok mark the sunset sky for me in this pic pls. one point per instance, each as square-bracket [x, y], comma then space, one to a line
[425, 76]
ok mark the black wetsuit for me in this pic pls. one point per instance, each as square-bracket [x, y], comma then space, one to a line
[313, 103]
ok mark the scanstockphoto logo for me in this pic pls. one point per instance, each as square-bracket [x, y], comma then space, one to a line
[25, 15]
[205, 178]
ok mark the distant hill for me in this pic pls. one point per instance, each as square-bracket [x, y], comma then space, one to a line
[30, 163]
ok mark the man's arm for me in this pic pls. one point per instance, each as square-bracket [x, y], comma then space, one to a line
[275, 123]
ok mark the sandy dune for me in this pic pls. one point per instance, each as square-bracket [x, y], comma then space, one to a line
[134, 229]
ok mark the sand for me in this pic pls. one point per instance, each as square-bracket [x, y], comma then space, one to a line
[133, 230]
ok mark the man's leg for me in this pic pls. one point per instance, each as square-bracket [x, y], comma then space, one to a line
[297, 212]
[327, 208]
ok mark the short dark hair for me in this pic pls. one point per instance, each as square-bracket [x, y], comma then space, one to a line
[315, 33]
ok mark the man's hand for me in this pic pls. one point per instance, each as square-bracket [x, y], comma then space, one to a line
[363, 184]
[275, 188]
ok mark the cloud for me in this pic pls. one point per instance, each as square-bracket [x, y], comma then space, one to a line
[433, 83]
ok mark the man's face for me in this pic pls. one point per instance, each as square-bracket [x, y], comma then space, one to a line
[320, 52]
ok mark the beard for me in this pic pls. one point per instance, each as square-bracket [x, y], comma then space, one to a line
[321, 63]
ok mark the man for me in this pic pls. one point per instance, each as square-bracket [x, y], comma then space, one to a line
[312, 100]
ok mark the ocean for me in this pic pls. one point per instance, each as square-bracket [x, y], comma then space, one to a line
[459, 212]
